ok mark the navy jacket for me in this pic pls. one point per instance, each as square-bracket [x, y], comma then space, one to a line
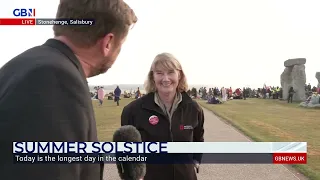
[44, 96]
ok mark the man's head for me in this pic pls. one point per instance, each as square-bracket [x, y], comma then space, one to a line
[99, 45]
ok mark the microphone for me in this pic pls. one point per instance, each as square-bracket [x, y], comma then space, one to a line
[129, 171]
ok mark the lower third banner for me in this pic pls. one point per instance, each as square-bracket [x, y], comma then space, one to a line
[175, 158]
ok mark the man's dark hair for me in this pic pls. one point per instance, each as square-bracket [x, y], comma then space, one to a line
[110, 16]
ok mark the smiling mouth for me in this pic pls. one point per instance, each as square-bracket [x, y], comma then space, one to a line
[166, 85]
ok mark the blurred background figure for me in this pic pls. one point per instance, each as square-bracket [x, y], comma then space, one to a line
[100, 95]
[117, 94]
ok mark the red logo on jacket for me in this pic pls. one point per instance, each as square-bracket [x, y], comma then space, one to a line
[153, 120]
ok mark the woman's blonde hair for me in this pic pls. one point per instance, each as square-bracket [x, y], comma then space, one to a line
[169, 62]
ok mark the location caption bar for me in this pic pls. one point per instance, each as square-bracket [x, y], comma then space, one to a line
[38, 21]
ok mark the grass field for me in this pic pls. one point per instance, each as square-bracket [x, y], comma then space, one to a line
[273, 120]
[108, 117]
[262, 120]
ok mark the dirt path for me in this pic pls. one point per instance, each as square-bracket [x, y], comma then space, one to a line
[218, 131]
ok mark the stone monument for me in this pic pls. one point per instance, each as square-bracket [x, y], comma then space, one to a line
[318, 77]
[294, 76]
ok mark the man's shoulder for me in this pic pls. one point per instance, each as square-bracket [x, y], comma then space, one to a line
[39, 66]
[38, 59]
[43, 55]
[31, 59]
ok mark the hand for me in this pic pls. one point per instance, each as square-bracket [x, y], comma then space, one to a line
[196, 166]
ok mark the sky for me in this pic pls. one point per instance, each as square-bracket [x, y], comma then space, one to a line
[219, 43]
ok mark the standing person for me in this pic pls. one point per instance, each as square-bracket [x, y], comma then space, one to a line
[244, 91]
[224, 94]
[166, 114]
[291, 92]
[101, 95]
[264, 93]
[117, 94]
[47, 98]
[138, 93]
[230, 92]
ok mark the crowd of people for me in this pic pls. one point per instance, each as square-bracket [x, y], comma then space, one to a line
[100, 94]
[219, 95]
[216, 95]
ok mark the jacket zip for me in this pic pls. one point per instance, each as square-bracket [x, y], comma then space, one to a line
[170, 119]
[172, 135]
[170, 128]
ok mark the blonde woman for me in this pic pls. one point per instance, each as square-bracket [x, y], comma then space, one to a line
[167, 114]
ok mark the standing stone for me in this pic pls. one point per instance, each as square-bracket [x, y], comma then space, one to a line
[298, 82]
[296, 61]
[318, 78]
[286, 81]
[294, 76]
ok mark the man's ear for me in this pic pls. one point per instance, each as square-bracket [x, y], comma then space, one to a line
[107, 43]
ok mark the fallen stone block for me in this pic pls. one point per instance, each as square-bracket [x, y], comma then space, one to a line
[304, 104]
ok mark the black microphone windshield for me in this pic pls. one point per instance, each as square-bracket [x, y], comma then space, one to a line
[127, 133]
[126, 170]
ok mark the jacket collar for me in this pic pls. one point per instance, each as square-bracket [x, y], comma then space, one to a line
[177, 100]
[149, 103]
[64, 49]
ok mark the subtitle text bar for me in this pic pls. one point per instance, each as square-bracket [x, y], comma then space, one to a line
[155, 158]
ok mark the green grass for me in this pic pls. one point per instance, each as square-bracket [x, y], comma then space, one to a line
[272, 121]
[108, 117]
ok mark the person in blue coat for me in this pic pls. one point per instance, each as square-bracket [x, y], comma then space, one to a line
[117, 93]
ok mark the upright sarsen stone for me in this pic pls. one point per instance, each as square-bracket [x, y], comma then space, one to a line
[318, 78]
[298, 82]
[294, 76]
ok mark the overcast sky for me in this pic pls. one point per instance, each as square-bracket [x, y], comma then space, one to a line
[223, 43]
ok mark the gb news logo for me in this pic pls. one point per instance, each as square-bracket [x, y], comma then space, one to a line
[24, 12]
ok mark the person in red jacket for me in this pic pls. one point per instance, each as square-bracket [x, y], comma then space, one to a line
[167, 114]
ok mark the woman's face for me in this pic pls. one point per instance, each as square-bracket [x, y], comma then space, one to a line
[166, 81]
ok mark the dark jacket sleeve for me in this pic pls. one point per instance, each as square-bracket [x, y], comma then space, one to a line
[198, 135]
[126, 116]
[53, 107]
[48, 104]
